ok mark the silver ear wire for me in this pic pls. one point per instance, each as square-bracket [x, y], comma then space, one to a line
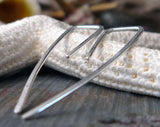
[34, 73]
[107, 32]
[95, 34]
[96, 43]
[85, 80]
[29, 83]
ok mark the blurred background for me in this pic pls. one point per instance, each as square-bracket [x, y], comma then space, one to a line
[109, 13]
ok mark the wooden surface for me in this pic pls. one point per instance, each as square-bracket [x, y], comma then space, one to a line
[90, 106]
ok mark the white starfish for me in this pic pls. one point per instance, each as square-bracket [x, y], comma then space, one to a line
[25, 41]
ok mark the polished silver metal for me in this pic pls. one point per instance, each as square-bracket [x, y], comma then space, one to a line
[96, 44]
[29, 83]
[85, 80]
[107, 32]
[96, 33]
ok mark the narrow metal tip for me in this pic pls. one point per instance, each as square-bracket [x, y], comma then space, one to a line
[67, 56]
[17, 111]
[25, 116]
[87, 58]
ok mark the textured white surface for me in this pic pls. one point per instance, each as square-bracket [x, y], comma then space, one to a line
[137, 70]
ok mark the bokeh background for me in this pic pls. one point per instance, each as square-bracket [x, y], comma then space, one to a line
[109, 13]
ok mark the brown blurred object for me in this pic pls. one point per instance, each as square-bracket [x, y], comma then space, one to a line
[49, 5]
[94, 8]
[81, 16]
[138, 7]
[103, 7]
[90, 2]
[67, 7]
[76, 16]
[11, 10]
[1, 23]
[146, 12]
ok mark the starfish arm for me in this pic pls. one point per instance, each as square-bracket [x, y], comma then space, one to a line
[138, 70]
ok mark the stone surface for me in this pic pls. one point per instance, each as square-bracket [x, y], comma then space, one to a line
[90, 106]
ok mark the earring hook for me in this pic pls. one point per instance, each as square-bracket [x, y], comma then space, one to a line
[85, 80]
[32, 77]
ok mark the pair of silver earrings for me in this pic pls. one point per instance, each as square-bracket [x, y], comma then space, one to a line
[82, 82]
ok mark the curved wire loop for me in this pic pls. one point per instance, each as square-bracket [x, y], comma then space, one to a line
[95, 34]
[91, 51]
[85, 80]
[32, 77]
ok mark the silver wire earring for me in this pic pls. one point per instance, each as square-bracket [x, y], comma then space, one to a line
[39, 65]
[83, 81]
